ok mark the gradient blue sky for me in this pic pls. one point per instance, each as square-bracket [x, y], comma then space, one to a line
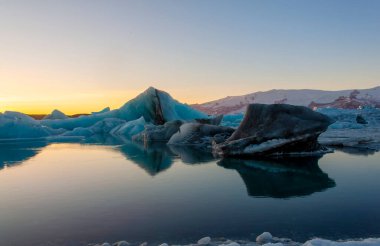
[82, 55]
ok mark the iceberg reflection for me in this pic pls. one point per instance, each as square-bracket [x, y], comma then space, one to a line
[153, 158]
[190, 155]
[277, 178]
[281, 178]
[15, 152]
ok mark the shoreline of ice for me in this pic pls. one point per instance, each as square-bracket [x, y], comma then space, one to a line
[264, 239]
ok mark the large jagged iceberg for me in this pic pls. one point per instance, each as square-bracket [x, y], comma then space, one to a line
[155, 106]
[152, 107]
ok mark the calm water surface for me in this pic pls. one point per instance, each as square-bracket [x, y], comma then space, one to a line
[75, 194]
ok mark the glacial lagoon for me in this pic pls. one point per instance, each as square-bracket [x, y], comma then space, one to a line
[105, 190]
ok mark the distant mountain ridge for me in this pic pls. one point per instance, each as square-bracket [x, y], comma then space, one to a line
[303, 97]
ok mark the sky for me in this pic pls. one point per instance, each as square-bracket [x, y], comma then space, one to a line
[83, 55]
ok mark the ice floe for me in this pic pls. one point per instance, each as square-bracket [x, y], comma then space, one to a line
[266, 239]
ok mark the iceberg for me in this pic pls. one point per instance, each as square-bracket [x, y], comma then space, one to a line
[276, 129]
[102, 127]
[232, 120]
[105, 110]
[15, 125]
[266, 239]
[55, 115]
[348, 132]
[130, 128]
[200, 135]
[155, 106]
[325, 242]
[158, 133]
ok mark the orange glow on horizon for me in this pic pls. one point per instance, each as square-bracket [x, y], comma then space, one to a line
[80, 103]
[45, 101]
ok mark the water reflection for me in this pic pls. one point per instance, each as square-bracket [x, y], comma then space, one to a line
[190, 155]
[153, 158]
[15, 152]
[357, 151]
[105, 139]
[280, 178]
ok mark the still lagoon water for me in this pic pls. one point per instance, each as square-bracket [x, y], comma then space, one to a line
[81, 193]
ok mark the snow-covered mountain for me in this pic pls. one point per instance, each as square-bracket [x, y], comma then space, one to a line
[311, 98]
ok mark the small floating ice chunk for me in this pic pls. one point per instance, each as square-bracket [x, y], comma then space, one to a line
[121, 243]
[106, 244]
[264, 238]
[163, 244]
[204, 241]
[324, 242]
[273, 244]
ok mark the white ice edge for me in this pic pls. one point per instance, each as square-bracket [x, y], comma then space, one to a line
[264, 239]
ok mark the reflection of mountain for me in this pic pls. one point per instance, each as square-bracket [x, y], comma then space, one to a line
[153, 158]
[280, 178]
[15, 152]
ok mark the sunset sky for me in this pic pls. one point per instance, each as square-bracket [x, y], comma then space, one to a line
[83, 55]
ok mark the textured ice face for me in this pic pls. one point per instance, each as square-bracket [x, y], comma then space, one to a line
[105, 110]
[15, 125]
[102, 127]
[200, 135]
[130, 128]
[158, 133]
[276, 128]
[232, 120]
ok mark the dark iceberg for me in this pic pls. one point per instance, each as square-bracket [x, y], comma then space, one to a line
[276, 129]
